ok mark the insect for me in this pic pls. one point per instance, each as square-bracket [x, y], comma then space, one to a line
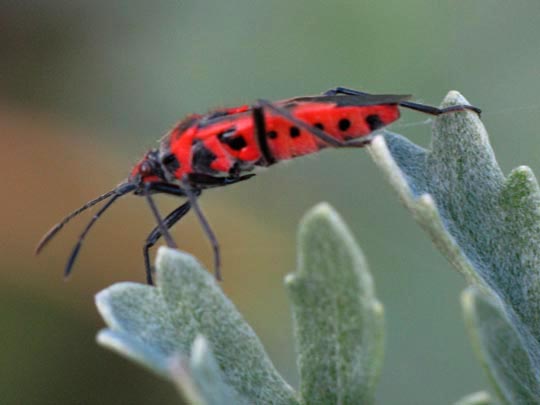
[224, 146]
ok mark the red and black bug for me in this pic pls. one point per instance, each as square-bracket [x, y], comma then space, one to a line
[223, 147]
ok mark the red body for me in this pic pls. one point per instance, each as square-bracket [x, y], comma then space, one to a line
[225, 141]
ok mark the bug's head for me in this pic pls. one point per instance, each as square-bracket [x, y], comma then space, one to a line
[147, 170]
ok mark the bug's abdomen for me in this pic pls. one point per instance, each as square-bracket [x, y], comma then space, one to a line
[286, 140]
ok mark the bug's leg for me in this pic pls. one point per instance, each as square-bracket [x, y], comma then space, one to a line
[344, 90]
[208, 181]
[427, 109]
[192, 195]
[260, 135]
[169, 221]
[359, 142]
[318, 133]
[161, 225]
[407, 104]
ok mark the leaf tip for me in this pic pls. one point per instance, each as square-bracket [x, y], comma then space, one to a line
[321, 216]
[477, 398]
[103, 305]
[103, 337]
[322, 209]
[377, 308]
[467, 299]
[166, 255]
[290, 280]
[522, 176]
[454, 97]
[106, 299]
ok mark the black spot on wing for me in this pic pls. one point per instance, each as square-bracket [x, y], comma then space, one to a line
[294, 132]
[344, 124]
[233, 140]
[374, 122]
[202, 158]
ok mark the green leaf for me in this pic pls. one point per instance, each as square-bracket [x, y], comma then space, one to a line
[478, 398]
[155, 326]
[338, 321]
[498, 344]
[486, 224]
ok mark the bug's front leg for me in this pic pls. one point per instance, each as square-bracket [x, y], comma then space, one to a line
[169, 221]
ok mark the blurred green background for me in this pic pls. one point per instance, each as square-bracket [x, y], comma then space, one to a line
[87, 87]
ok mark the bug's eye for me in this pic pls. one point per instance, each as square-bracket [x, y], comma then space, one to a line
[145, 169]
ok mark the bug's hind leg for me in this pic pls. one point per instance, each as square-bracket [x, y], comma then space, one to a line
[192, 195]
[189, 189]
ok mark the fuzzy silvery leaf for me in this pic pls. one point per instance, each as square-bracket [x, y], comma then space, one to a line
[157, 326]
[338, 321]
[200, 379]
[499, 346]
[486, 224]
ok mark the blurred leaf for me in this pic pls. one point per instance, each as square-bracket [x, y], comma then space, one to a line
[338, 321]
[156, 325]
[500, 348]
[488, 226]
[477, 398]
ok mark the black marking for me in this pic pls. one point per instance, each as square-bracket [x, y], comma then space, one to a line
[272, 134]
[294, 132]
[202, 158]
[374, 122]
[344, 124]
[319, 125]
[170, 162]
[233, 140]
